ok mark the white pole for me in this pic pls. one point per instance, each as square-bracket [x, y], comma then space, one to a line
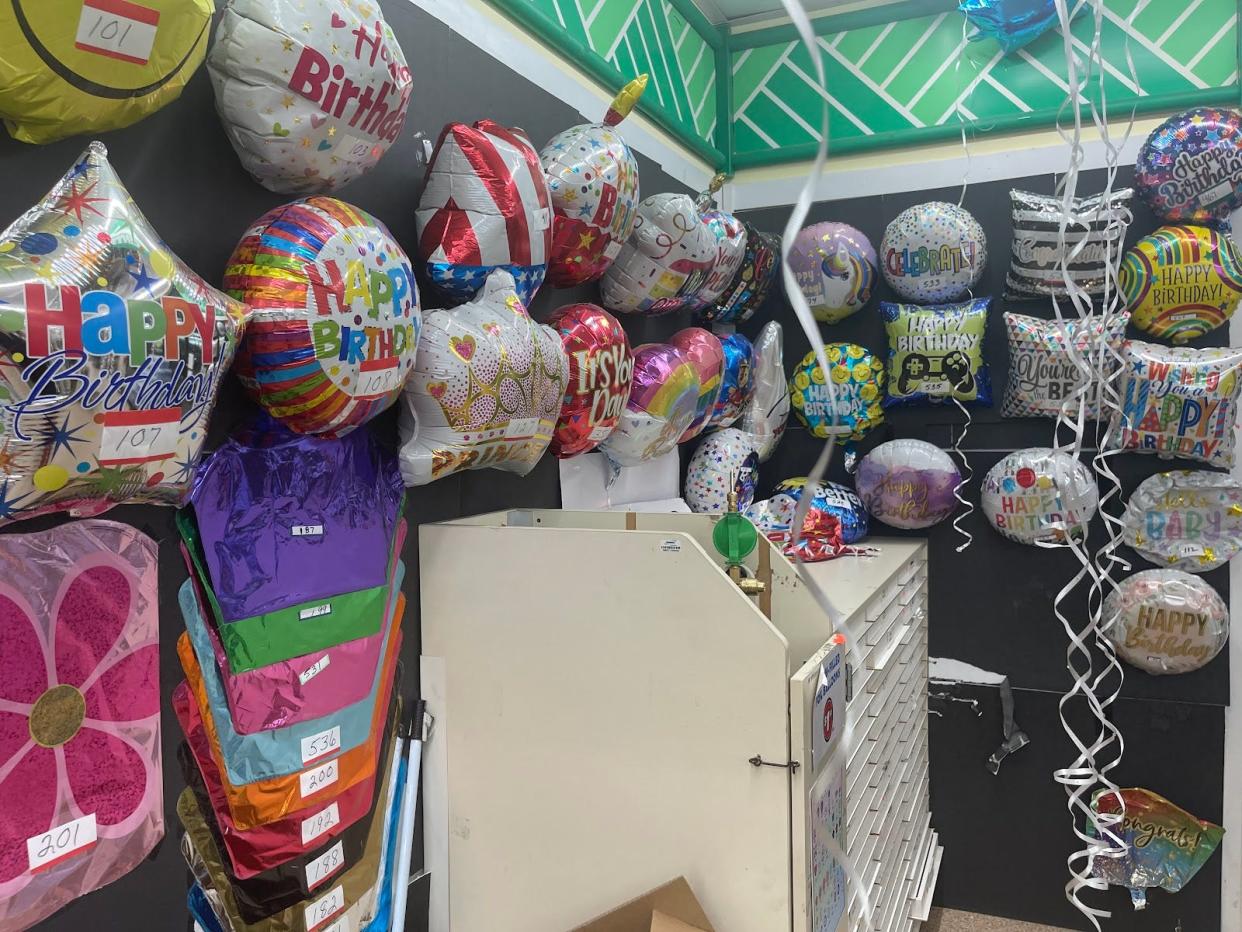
[405, 827]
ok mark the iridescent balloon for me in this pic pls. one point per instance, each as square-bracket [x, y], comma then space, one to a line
[662, 403]
[1012, 23]
[706, 355]
[835, 265]
[111, 353]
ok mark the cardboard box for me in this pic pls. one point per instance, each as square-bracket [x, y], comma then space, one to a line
[670, 908]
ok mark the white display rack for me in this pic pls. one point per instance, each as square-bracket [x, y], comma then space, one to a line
[612, 711]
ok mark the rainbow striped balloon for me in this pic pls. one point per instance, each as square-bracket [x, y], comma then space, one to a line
[334, 315]
[1182, 282]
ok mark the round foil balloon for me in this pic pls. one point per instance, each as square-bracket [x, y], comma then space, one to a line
[936, 352]
[730, 235]
[1038, 495]
[487, 389]
[111, 353]
[1190, 167]
[485, 206]
[738, 382]
[1042, 373]
[311, 97]
[833, 499]
[763, 419]
[723, 462]
[752, 282]
[69, 67]
[908, 483]
[706, 355]
[1177, 401]
[593, 179]
[857, 377]
[1166, 621]
[933, 252]
[1182, 282]
[1187, 519]
[661, 406]
[835, 266]
[601, 369]
[335, 315]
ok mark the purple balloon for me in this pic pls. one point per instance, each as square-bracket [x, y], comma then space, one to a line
[908, 483]
[835, 265]
[663, 400]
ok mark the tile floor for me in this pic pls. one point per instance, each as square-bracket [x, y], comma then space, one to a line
[947, 920]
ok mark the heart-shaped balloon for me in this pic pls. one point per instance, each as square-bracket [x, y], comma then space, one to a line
[661, 406]
[601, 370]
[111, 353]
[705, 354]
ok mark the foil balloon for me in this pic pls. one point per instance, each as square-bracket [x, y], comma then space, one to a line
[1165, 845]
[857, 385]
[1187, 519]
[1166, 621]
[724, 462]
[335, 315]
[1039, 496]
[1182, 282]
[111, 353]
[706, 355]
[593, 179]
[1012, 23]
[834, 499]
[820, 538]
[933, 252]
[1178, 402]
[81, 787]
[1094, 238]
[936, 352]
[737, 384]
[764, 416]
[908, 483]
[751, 283]
[1190, 168]
[310, 98]
[835, 266]
[601, 370]
[663, 401]
[730, 238]
[485, 206]
[487, 389]
[70, 67]
[1042, 373]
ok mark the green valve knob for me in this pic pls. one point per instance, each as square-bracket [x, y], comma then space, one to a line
[734, 537]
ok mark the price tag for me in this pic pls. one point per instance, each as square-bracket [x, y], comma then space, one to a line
[613, 249]
[543, 218]
[341, 925]
[314, 669]
[320, 745]
[312, 781]
[1189, 550]
[353, 149]
[319, 823]
[307, 530]
[317, 612]
[521, 428]
[61, 843]
[325, 907]
[378, 377]
[117, 29]
[139, 436]
[324, 866]
[600, 433]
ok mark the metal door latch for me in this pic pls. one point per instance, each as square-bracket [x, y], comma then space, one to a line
[758, 761]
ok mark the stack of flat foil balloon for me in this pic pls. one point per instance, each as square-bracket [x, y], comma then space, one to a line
[290, 703]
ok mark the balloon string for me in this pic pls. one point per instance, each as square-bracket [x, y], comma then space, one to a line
[967, 475]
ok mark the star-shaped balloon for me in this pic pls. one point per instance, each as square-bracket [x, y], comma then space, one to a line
[111, 353]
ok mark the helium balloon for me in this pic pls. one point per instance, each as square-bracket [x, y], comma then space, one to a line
[1166, 621]
[1182, 282]
[1042, 373]
[820, 538]
[1039, 495]
[738, 382]
[663, 399]
[723, 462]
[1094, 238]
[593, 179]
[1177, 401]
[730, 237]
[87, 66]
[485, 206]
[1187, 519]
[936, 352]
[311, 99]
[1190, 168]
[486, 391]
[835, 266]
[335, 315]
[111, 353]
[1012, 23]
[833, 499]
[1165, 846]
[763, 419]
[751, 283]
[908, 483]
[706, 355]
[601, 369]
[933, 252]
[857, 386]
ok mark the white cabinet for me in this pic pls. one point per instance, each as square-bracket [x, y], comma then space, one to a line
[612, 712]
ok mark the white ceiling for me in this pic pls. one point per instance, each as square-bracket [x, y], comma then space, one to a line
[728, 10]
